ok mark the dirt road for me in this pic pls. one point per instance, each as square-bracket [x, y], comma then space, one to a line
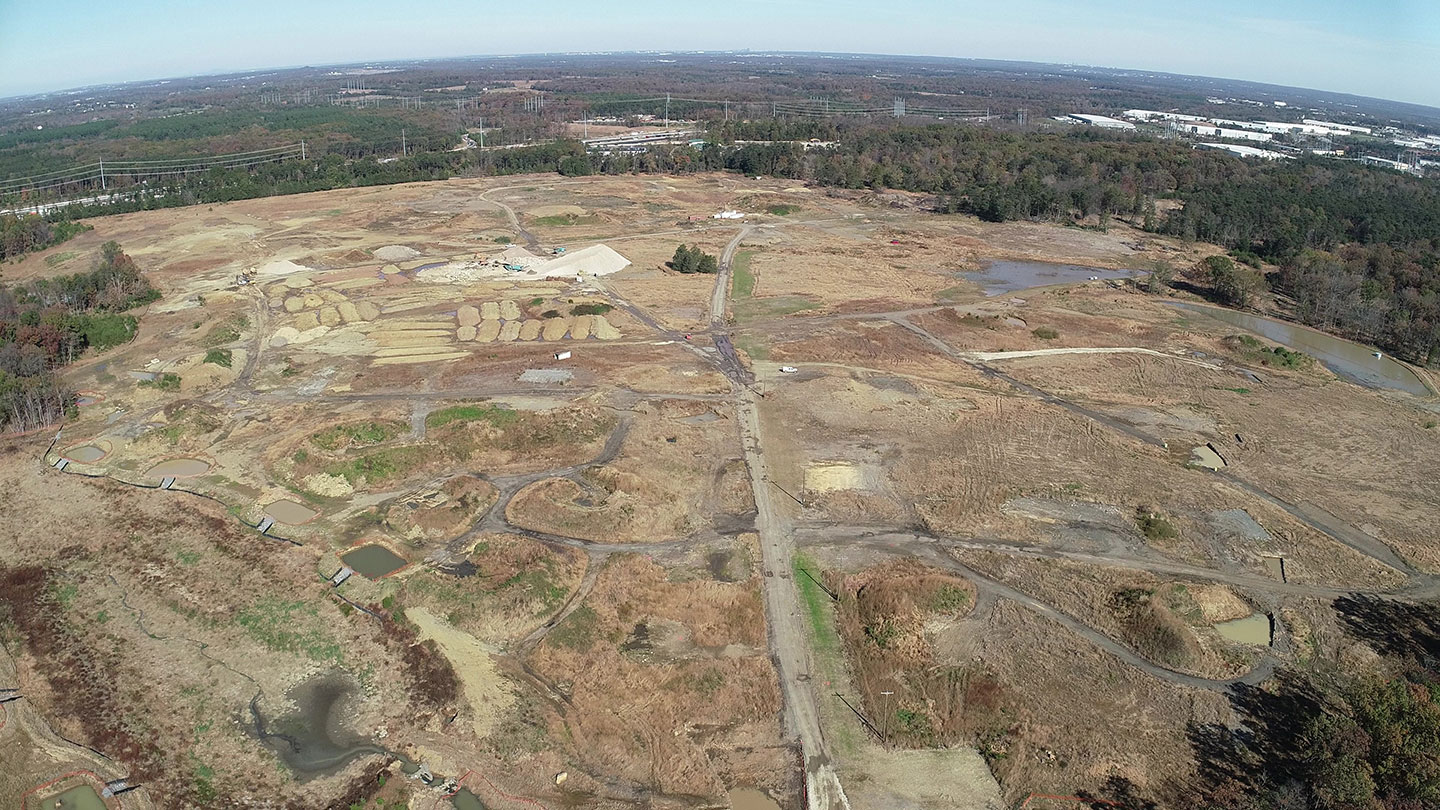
[788, 642]
[722, 278]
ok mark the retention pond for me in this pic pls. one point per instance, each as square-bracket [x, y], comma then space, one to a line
[1347, 359]
[179, 468]
[373, 561]
[85, 453]
[1004, 276]
[312, 739]
[1253, 629]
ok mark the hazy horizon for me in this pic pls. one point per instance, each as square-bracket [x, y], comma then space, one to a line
[1384, 51]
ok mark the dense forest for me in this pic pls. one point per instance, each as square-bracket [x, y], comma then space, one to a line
[47, 323]
[21, 235]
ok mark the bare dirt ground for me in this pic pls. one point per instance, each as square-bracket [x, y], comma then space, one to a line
[600, 552]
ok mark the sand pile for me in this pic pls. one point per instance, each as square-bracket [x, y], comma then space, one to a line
[282, 267]
[395, 253]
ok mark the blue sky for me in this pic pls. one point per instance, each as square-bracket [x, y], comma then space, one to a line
[1384, 48]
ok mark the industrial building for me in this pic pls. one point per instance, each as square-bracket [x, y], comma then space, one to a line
[1156, 115]
[1347, 129]
[1102, 121]
[1212, 131]
[1243, 151]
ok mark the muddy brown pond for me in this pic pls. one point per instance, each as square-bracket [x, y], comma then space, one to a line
[85, 453]
[179, 468]
[373, 561]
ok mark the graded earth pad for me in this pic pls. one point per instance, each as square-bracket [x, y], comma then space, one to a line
[290, 512]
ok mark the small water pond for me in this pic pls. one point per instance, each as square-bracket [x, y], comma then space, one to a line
[83, 797]
[179, 468]
[1005, 276]
[85, 453]
[373, 561]
[1253, 629]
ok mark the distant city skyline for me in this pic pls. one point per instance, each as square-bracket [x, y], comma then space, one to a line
[1386, 49]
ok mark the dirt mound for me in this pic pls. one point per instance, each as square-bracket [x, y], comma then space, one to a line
[395, 253]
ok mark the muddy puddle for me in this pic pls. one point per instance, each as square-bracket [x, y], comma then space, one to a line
[179, 468]
[1349, 360]
[290, 512]
[751, 799]
[465, 800]
[833, 476]
[373, 561]
[1253, 629]
[312, 738]
[85, 453]
[1004, 276]
[83, 797]
[1205, 456]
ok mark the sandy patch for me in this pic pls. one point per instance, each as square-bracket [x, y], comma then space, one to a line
[555, 328]
[509, 310]
[530, 330]
[488, 694]
[603, 329]
[834, 476]
[467, 315]
[488, 331]
[490, 311]
[510, 330]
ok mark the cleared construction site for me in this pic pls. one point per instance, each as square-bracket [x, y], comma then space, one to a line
[455, 494]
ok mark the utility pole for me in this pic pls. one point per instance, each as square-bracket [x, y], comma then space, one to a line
[403, 152]
[727, 110]
[482, 132]
[102, 174]
[667, 110]
[302, 148]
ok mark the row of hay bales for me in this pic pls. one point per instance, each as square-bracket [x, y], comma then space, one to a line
[580, 327]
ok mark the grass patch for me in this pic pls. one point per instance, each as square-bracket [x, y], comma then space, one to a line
[227, 331]
[578, 630]
[358, 433]
[219, 357]
[499, 417]
[590, 309]
[743, 284]
[381, 465]
[819, 608]
[535, 302]
[502, 240]
[293, 627]
[1155, 527]
[782, 209]
[753, 347]
[754, 308]
[949, 599]
[1238, 390]
[1045, 333]
[1278, 357]
[564, 220]
[165, 382]
[60, 258]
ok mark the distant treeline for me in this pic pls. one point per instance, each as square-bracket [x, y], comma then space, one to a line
[1317, 219]
[45, 324]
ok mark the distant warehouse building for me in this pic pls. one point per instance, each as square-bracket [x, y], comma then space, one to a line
[1211, 131]
[1347, 129]
[1156, 115]
[1243, 151]
[1102, 121]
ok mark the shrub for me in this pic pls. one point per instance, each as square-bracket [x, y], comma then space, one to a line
[1045, 333]
[219, 357]
[590, 309]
